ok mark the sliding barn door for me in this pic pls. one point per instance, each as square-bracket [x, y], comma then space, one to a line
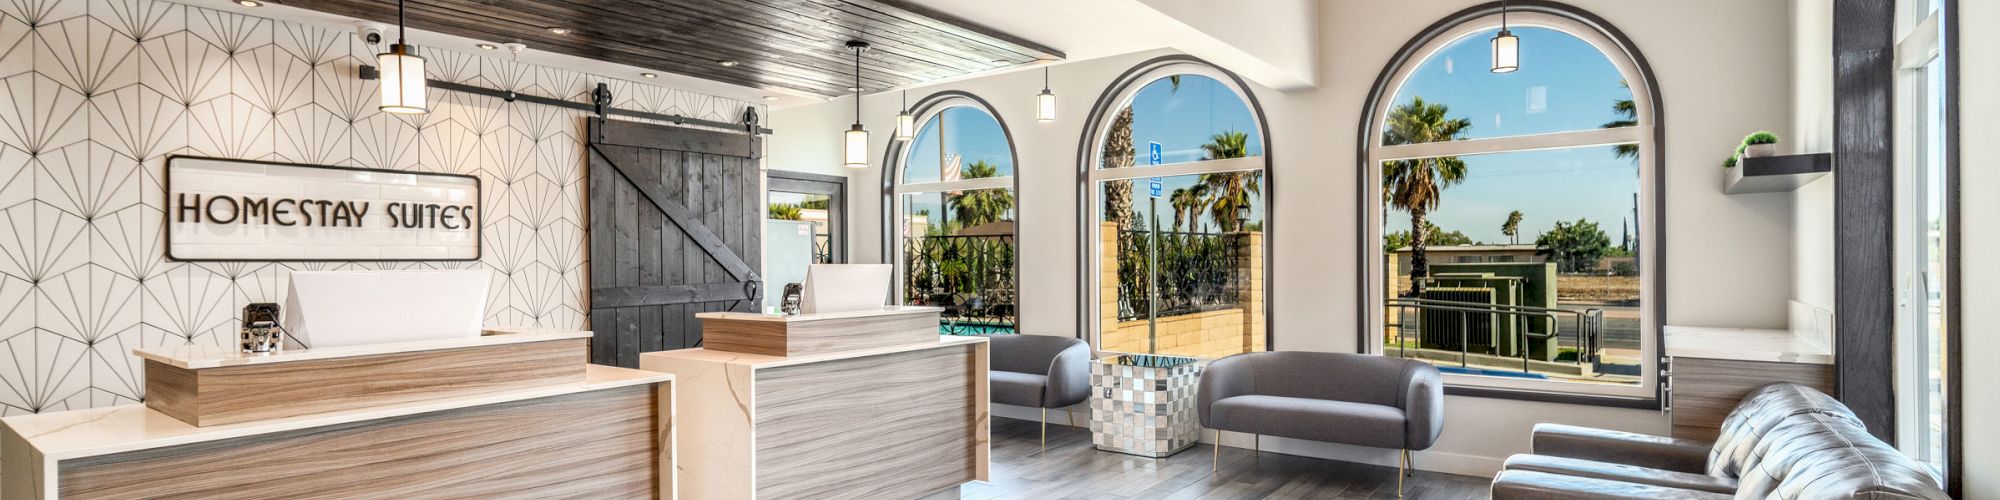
[674, 227]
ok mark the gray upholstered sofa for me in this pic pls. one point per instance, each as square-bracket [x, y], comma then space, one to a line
[1782, 441]
[1352, 399]
[1039, 371]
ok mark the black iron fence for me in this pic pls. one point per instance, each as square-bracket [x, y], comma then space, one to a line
[822, 249]
[972, 277]
[1196, 271]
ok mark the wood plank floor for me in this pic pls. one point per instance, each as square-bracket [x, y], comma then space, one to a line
[1072, 468]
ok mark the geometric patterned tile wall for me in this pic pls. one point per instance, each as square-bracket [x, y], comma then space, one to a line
[94, 94]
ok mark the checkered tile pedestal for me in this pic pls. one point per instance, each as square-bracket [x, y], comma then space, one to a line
[1144, 405]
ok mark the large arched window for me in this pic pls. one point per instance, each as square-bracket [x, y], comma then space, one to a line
[1510, 218]
[1174, 215]
[951, 211]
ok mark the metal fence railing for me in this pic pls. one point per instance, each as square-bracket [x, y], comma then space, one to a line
[1196, 271]
[1450, 325]
[972, 277]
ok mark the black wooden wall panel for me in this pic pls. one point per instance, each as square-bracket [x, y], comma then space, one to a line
[1863, 211]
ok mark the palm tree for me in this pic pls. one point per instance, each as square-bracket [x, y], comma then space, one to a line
[1628, 115]
[1227, 193]
[1118, 153]
[1416, 186]
[1512, 228]
[980, 206]
[1187, 203]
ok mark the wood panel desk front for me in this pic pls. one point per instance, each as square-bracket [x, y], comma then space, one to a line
[375, 429]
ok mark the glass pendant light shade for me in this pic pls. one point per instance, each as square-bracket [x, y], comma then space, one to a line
[403, 85]
[857, 147]
[1045, 102]
[1045, 106]
[1506, 52]
[906, 126]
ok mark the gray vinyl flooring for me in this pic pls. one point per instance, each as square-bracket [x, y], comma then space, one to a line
[1072, 468]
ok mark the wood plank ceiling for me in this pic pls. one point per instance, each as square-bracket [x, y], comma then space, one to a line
[774, 44]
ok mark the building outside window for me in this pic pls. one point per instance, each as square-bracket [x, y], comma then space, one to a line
[953, 206]
[1174, 216]
[1509, 215]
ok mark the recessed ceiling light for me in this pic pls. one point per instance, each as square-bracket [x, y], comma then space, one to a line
[249, 3]
[727, 63]
[770, 98]
[649, 75]
[488, 46]
[559, 31]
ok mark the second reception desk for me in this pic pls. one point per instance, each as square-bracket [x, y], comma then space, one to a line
[902, 421]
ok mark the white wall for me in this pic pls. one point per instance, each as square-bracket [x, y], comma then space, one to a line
[1812, 132]
[95, 94]
[1729, 257]
[1979, 115]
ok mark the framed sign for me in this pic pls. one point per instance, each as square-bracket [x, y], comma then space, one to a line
[233, 210]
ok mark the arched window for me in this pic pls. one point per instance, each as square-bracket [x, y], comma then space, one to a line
[1174, 215]
[1510, 218]
[951, 209]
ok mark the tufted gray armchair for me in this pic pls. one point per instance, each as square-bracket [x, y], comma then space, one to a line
[1356, 399]
[1039, 371]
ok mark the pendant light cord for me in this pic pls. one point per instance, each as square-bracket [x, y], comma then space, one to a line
[1503, 15]
[857, 85]
[402, 27]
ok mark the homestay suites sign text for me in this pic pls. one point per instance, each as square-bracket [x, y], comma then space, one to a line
[222, 209]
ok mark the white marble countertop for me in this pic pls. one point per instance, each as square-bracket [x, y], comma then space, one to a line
[761, 361]
[118, 429]
[885, 311]
[1744, 344]
[198, 357]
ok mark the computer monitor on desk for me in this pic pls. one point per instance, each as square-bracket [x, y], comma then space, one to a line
[345, 308]
[832, 288]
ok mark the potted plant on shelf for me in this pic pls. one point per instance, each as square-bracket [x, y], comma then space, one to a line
[1760, 144]
[1756, 145]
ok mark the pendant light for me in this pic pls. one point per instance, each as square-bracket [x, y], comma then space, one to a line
[857, 137]
[1045, 102]
[402, 74]
[1506, 46]
[906, 124]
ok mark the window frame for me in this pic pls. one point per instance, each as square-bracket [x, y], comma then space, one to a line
[1648, 133]
[1090, 144]
[894, 160]
[1919, 48]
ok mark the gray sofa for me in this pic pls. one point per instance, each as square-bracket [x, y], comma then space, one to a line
[1352, 399]
[1039, 371]
[1781, 441]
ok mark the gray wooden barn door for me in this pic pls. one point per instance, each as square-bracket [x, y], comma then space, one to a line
[674, 227]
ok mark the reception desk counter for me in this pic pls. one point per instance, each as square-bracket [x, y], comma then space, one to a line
[900, 421]
[401, 420]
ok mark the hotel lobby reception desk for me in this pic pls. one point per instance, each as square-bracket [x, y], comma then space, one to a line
[901, 421]
[502, 416]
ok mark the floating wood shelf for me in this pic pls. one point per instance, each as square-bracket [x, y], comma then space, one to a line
[1776, 174]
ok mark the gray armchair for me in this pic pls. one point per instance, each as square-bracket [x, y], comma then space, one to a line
[1039, 371]
[1353, 399]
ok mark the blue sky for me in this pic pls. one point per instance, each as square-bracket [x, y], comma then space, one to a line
[1564, 84]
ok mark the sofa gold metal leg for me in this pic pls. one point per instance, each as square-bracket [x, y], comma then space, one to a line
[1256, 447]
[1072, 415]
[1045, 429]
[1402, 466]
